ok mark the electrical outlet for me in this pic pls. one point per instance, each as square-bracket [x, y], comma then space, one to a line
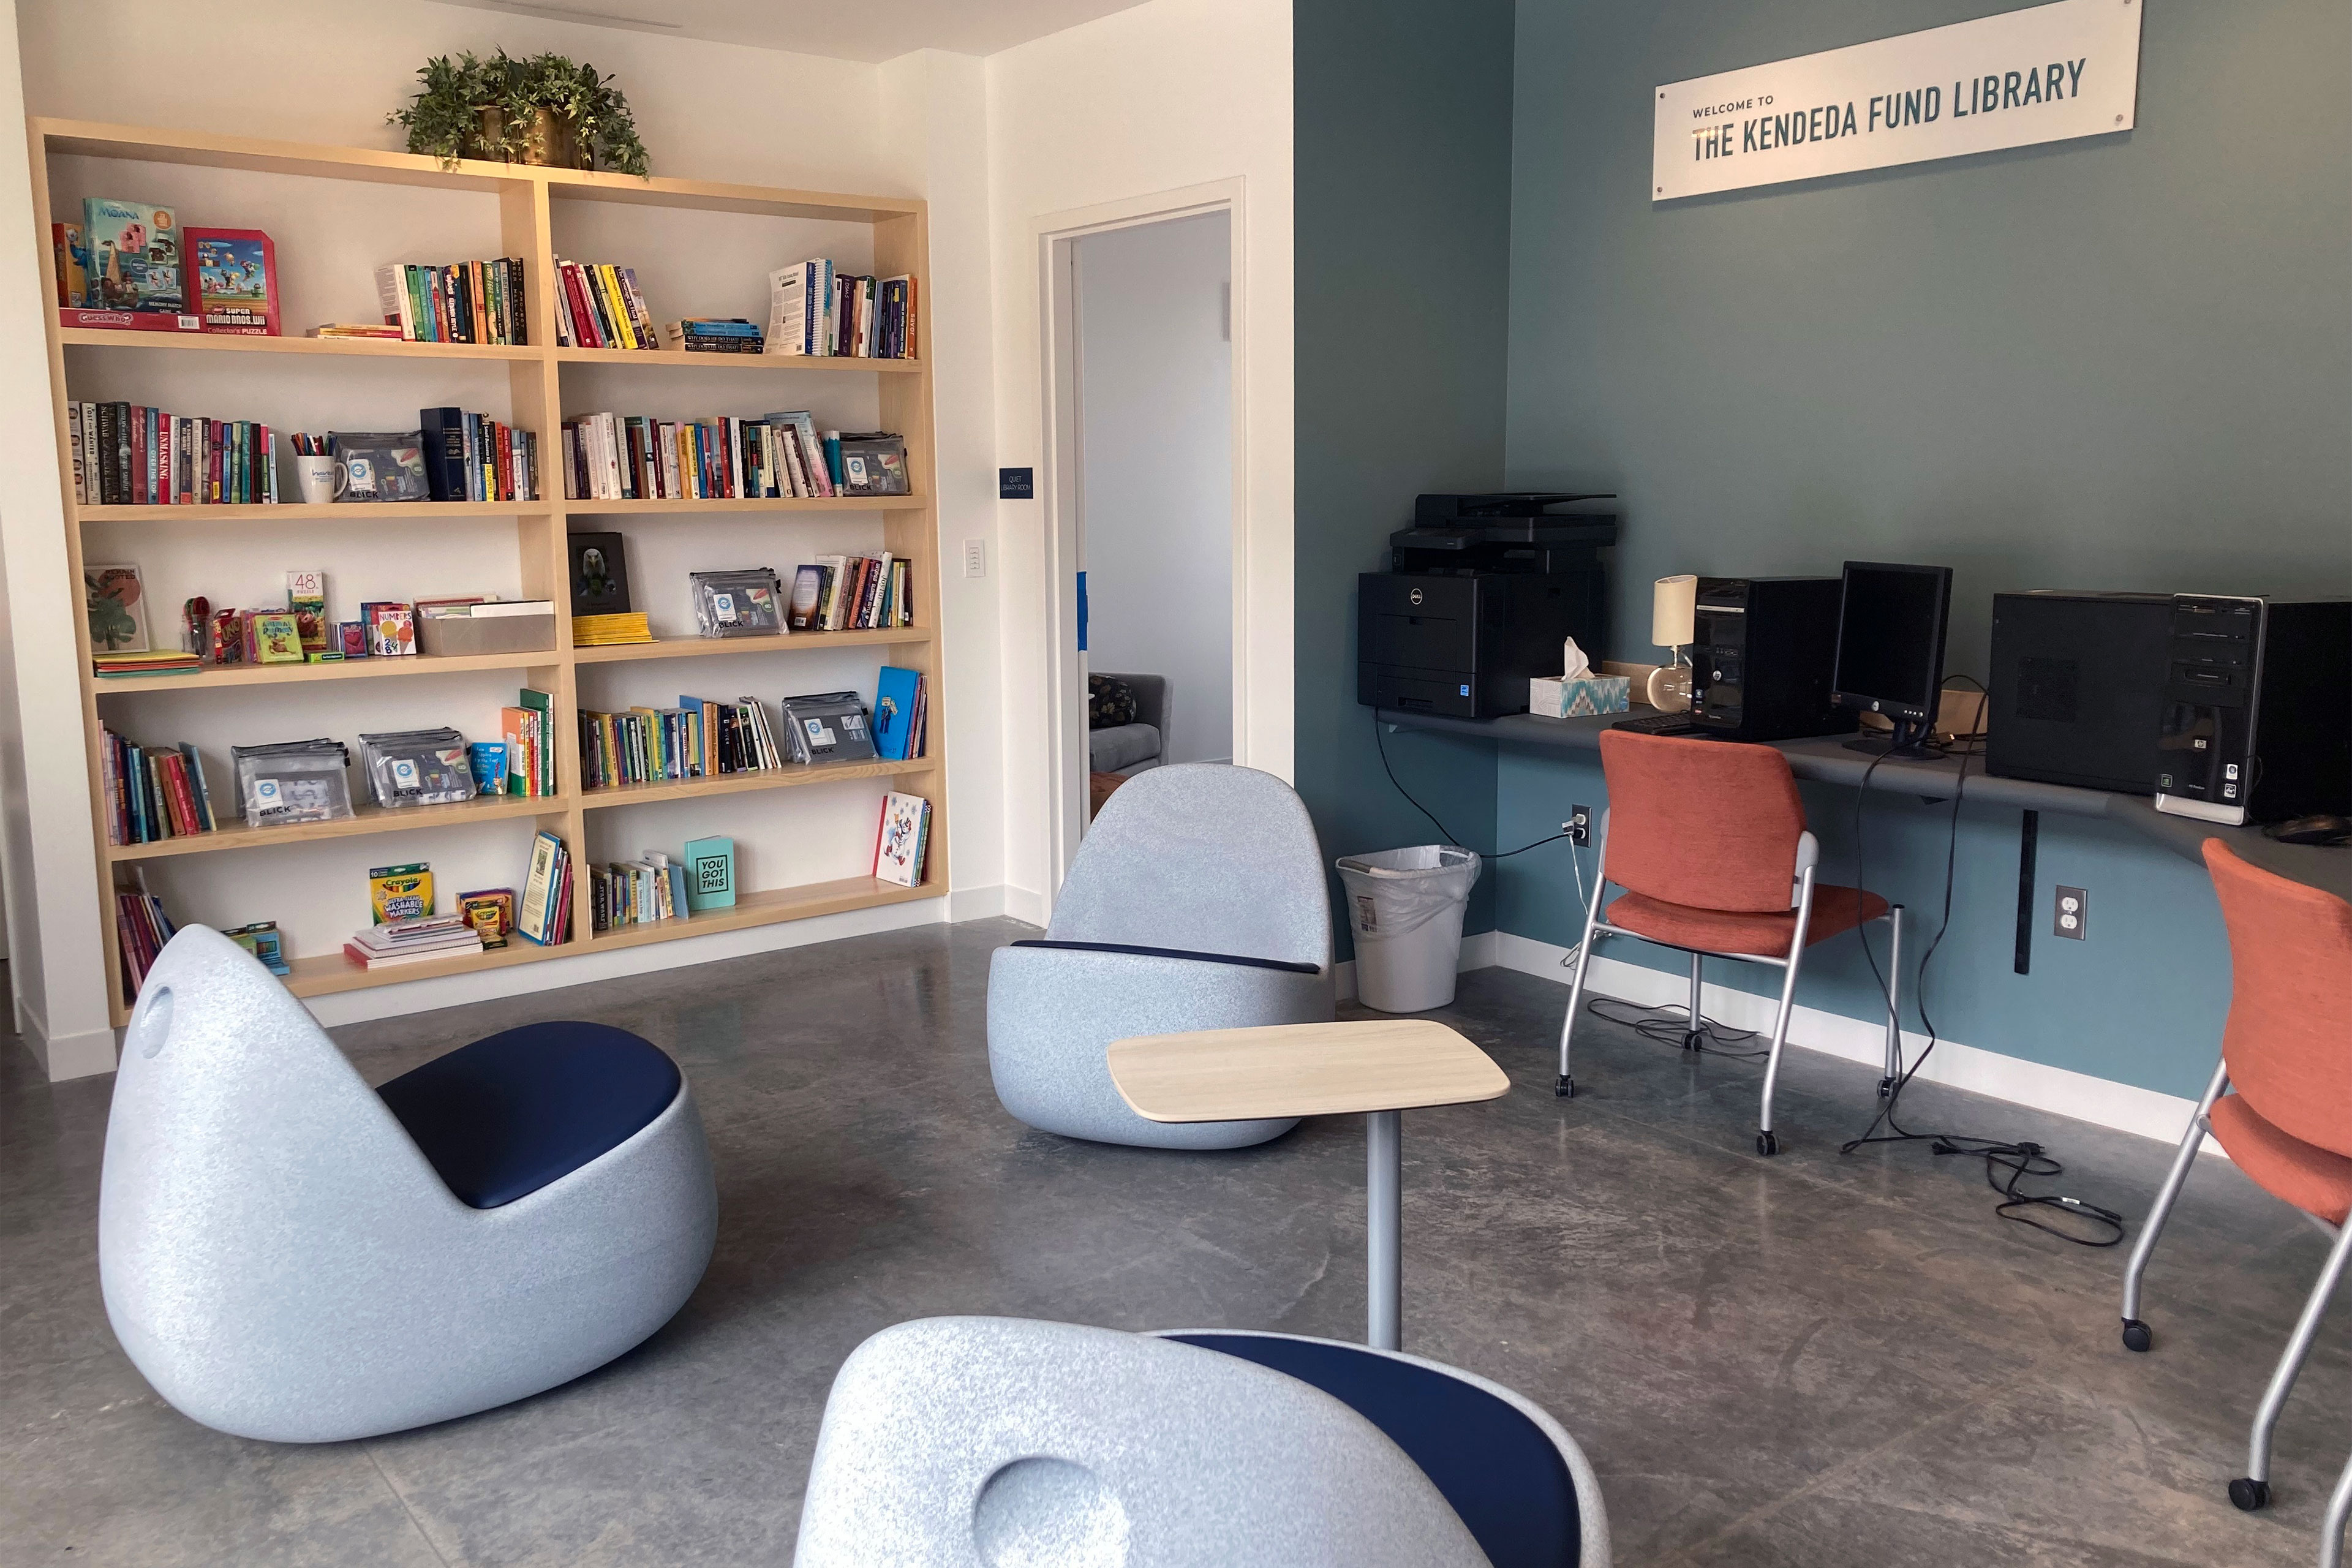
[1579, 825]
[975, 558]
[2073, 913]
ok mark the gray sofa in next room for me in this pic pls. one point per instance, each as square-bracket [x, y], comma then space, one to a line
[1129, 749]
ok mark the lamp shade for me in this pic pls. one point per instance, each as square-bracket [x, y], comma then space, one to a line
[1674, 612]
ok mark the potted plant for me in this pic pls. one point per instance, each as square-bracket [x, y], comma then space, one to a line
[544, 110]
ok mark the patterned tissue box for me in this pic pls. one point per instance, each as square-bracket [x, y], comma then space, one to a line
[1553, 698]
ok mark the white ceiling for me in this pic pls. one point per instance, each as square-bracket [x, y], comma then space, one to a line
[843, 30]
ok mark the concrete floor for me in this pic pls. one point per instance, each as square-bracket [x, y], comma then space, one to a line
[1806, 1360]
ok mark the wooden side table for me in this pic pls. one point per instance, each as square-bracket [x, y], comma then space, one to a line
[1379, 1067]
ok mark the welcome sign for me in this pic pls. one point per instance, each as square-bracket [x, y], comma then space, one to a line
[2046, 74]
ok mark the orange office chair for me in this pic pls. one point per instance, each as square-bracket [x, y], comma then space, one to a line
[1707, 839]
[2286, 1062]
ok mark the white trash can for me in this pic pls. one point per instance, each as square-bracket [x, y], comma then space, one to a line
[1405, 906]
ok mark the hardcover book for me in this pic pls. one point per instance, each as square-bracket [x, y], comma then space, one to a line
[709, 874]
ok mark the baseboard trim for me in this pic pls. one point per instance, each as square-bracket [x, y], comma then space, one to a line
[1030, 907]
[62, 1057]
[2058, 1090]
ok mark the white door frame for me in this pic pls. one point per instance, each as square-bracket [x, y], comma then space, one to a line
[1054, 236]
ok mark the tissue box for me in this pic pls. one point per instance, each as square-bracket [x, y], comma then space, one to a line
[1553, 697]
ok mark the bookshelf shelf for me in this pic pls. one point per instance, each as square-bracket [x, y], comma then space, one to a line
[296, 511]
[677, 358]
[349, 669]
[659, 508]
[229, 343]
[907, 526]
[786, 777]
[365, 820]
[705, 647]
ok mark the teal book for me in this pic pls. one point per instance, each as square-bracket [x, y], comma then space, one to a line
[709, 874]
[894, 692]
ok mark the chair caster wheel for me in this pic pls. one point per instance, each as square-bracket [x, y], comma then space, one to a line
[1693, 1040]
[2136, 1335]
[2249, 1495]
[1886, 1086]
[1565, 1088]
[1767, 1145]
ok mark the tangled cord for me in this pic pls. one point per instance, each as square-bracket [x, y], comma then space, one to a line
[1671, 1026]
[2020, 1160]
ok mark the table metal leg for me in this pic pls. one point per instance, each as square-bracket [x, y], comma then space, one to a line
[1384, 1229]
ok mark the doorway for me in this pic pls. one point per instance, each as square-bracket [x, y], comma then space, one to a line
[1147, 468]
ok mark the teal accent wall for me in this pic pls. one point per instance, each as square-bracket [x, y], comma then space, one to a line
[1402, 221]
[2117, 362]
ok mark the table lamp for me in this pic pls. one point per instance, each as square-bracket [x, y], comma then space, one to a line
[1674, 614]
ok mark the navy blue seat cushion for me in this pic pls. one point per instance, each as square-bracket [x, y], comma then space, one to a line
[507, 1115]
[1287, 965]
[1500, 1471]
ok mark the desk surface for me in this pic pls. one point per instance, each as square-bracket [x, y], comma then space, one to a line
[1825, 760]
[1301, 1069]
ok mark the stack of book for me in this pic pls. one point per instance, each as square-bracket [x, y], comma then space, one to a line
[143, 926]
[420, 940]
[126, 454]
[697, 739]
[812, 310]
[471, 302]
[608, 631]
[638, 892]
[472, 456]
[528, 729]
[902, 713]
[115, 666]
[711, 335]
[544, 911]
[853, 592]
[616, 456]
[600, 308]
[387, 332]
[153, 793]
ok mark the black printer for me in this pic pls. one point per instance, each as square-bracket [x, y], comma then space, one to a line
[1481, 591]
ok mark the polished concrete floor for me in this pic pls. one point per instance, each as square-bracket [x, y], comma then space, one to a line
[1808, 1361]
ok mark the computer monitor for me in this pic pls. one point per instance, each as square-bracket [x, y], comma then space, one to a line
[1890, 649]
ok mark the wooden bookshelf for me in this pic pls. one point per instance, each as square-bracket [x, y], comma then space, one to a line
[536, 377]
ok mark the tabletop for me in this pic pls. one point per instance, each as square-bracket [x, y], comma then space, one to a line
[1302, 1069]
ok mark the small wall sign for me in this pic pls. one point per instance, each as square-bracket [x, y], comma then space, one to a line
[2049, 73]
[1016, 484]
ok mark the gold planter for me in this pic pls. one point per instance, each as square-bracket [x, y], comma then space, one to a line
[548, 145]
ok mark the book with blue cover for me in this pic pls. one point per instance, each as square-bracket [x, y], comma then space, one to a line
[896, 692]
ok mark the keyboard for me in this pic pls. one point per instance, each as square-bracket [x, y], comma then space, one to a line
[1660, 724]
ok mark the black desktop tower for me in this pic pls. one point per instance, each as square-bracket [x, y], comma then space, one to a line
[2077, 692]
[2256, 715]
[1760, 669]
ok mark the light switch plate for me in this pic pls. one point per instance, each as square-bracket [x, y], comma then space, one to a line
[975, 558]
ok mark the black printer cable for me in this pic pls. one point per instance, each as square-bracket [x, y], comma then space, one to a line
[1446, 833]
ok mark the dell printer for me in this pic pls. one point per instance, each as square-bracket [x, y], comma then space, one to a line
[1481, 593]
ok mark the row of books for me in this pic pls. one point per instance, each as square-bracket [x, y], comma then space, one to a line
[697, 739]
[419, 939]
[853, 592]
[544, 914]
[812, 310]
[715, 335]
[639, 892]
[470, 302]
[599, 307]
[153, 793]
[615, 457]
[529, 729]
[143, 928]
[128, 455]
[472, 456]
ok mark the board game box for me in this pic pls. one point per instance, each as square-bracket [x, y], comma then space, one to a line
[233, 280]
[134, 257]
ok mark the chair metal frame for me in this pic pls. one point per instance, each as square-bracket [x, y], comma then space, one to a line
[1809, 856]
[2253, 1490]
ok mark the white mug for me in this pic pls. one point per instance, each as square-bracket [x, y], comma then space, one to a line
[316, 477]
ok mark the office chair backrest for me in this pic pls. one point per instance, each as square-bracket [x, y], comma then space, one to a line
[2288, 1042]
[1204, 856]
[1704, 823]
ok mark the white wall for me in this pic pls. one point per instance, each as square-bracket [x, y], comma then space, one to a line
[1155, 462]
[1169, 95]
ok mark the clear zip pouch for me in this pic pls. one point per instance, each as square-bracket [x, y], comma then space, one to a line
[289, 782]
[746, 604]
[417, 767]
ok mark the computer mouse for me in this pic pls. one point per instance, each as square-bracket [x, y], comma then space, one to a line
[2325, 827]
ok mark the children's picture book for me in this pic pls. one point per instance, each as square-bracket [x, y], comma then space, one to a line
[276, 637]
[306, 600]
[351, 637]
[600, 575]
[117, 603]
[488, 758]
[73, 265]
[491, 912]
[896, 691]
[233, 280]
[899, 844]
[134, 257]
[261, 940]
[709, 874]
[392, 628]
[400, 892]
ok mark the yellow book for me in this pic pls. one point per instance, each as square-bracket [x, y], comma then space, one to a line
[609, 282]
